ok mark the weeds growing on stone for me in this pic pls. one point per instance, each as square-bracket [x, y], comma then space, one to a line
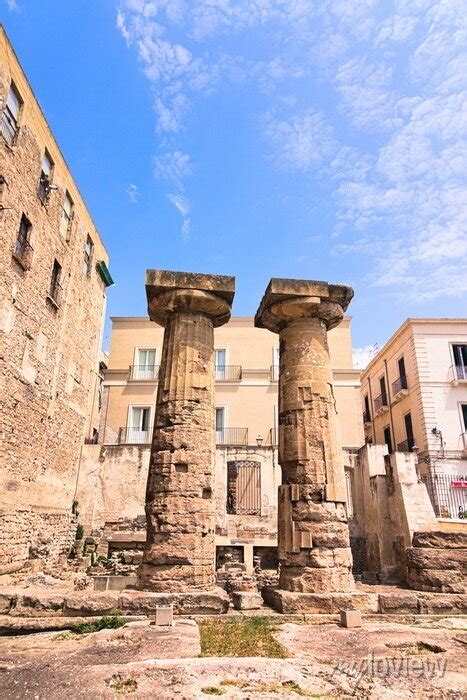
[121, 684]
[110, 622]
[241, 637]
[212, 690]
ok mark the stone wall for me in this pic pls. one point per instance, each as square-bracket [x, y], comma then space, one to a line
[390, 505]
[49, 347]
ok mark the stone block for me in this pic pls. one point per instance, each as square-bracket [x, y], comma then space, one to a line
[164, 615]
[351, 618]
[243, 600]
[431, 558]
[7, 600]
[442, 603]
[398, 603]
[443, 540]
[215, 602]
[41, 604]
[289, 602]
[436, 580]
[87, 603]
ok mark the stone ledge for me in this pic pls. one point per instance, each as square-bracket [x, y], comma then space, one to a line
[214, 602]
[440, 539]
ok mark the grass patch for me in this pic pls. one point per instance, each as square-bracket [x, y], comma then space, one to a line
[282, 689]
[121, 684]
[110, 622]
[240, 637]
[212, 690]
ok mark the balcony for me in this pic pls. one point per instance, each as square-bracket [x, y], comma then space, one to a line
[22, 253]
[228, 373]
[134, 436]
[232, 436]
[273, 437]
[274, 373]
[381, 404]
[143, 373]
[457, 374]
[366, 418]
[405, 446]
[400, 388]
[8, 128]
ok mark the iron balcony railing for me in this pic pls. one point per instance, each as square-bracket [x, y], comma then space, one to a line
[380, 401]
[232, 436]
[228, 373]
[274, 373]
[273, 437]
[144, 373]
[405, 446]
[399, 384]
[366, 417]
[134, 436]
[458, 373]
[8, 127]
[23, 252]
[448, 494]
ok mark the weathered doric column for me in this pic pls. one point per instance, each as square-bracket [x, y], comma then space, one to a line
[180, 506]
[314, 550]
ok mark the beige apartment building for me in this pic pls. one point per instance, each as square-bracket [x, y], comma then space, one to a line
[414, 399]
[114, 473]
[53, 296]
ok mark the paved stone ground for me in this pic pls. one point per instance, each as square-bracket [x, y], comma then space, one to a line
[379, 660]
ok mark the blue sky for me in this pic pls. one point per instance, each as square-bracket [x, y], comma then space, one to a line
[288, 138]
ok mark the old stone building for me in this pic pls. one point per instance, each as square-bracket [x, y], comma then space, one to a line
[113, 474]
[53, 294]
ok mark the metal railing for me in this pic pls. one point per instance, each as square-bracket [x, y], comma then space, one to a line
[405, 446]
[23, 252]
[144, 373]
[228, 373]
[232, 436]
[458, 373]
[134, 436]
[366, 417]
[448, 494]
[380, 401]
[274, 373]
[8, 128]
[273, 436]
[244, 488]
[399, 384]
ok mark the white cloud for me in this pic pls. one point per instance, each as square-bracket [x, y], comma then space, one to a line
[172, 165]
[12, 5]
[183, 207]
[133, 193]
[299, 143]
[363, 356]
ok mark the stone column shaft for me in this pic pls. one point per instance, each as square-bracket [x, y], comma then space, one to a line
[313, 537]
[180, 506]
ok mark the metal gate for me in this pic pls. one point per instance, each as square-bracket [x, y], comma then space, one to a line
[244, 487]
[448, 494]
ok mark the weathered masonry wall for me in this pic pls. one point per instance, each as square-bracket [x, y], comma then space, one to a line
[49, 350]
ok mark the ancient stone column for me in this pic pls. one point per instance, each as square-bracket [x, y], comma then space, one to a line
[313, 536]
[179, 554]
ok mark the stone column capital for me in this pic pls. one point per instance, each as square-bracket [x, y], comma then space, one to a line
[288, 300]
[184, 292]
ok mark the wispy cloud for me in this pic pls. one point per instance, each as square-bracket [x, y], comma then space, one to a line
[183, 207]
[12, 5]
[363, 356]
[172, 165]
[133, 193]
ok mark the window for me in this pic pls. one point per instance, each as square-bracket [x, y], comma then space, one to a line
[220, 359]
[387, 439]
[220, 424]
[464, 416]
[402, 374]
[409, 432]
[87, 258]
[145, 368]
[382, 386]
[460, 360]
[22, 250]
[139, 430]
[10, 116]
[367, 414]
[43, 188]
[243, 488]
[55, 287]
[67, 216]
